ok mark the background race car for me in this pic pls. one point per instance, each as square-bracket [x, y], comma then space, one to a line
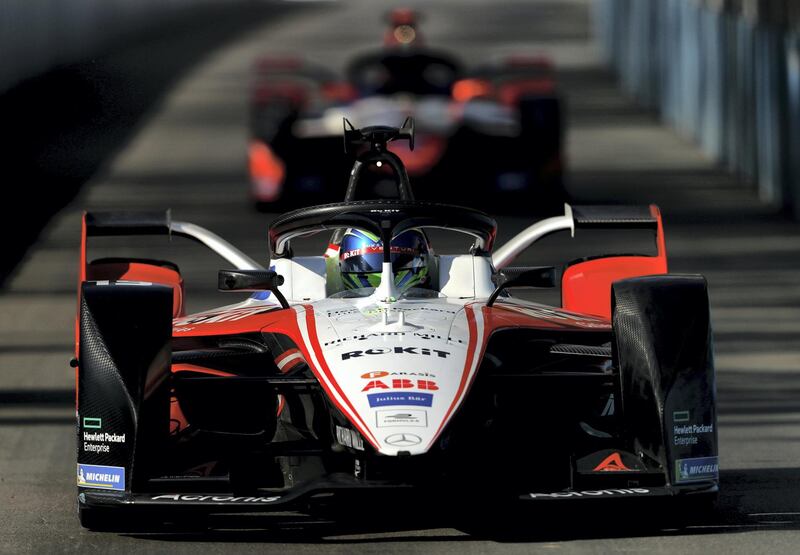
[493, 130]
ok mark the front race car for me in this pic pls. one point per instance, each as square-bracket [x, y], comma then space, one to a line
[300, 392]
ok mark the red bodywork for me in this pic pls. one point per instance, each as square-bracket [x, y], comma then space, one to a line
[586, 286]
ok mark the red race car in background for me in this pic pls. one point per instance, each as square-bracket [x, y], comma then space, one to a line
[494, 129]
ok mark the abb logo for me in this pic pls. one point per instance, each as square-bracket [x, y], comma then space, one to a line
[426, 385]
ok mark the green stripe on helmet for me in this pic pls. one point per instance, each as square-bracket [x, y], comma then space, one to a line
[405, 279]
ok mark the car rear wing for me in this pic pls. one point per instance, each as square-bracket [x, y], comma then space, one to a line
[586, 282]
[619, 216]
[127, 223]
[107, 224]
[585, 217]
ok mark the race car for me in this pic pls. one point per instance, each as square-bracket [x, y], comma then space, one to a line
[382, 366]
[494, 130]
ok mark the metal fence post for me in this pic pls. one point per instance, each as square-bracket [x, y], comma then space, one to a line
[791, 195]
[725, 73]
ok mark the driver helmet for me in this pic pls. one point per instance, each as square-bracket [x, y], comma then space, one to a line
[361, 259]
[403, 28]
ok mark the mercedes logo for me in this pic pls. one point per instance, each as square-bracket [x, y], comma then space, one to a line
[403, 440]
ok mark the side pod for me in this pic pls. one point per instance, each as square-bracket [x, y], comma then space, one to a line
[123, 399]
[663, 348]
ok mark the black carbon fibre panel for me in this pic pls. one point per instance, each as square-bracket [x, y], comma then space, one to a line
[124, 357]
[103, 395]
[664, 350]
[581, 350]
[618, 216]
[127, 223]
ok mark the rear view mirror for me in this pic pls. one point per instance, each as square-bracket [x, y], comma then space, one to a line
[541, 277]
[252, 280]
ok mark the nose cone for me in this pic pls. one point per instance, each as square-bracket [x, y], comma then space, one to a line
[400, 387]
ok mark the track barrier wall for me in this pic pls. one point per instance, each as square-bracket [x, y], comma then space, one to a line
[723, 73]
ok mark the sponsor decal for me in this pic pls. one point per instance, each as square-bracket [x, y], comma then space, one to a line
[400, 398]
[612, 463]
[383, 374]
[98, 442]
[213, 498]
[377, 249]
[334, 314]
[95, 423]
[680, 416]
[692, 470]
[407, 417]
[686, 434]
[591, 493]
[374, 375]
[403, 440]
[396, 351]
[349, 438]
[402, 383]
[101, 477]
[372, 335]
[430, 309]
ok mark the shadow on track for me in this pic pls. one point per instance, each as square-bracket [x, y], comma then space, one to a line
[763, 499]
[60, 128]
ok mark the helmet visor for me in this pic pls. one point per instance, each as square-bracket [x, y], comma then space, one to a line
[369, 259]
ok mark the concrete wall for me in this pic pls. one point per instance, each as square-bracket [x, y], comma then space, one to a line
[724, 73]
[37, 35]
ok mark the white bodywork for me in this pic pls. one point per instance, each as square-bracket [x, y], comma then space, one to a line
[397, 373]
[397, 367]
[503, 256]
[216, 243]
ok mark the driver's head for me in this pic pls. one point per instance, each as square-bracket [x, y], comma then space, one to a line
[361, 259]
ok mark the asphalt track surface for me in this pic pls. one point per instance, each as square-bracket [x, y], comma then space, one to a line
[188, 154]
